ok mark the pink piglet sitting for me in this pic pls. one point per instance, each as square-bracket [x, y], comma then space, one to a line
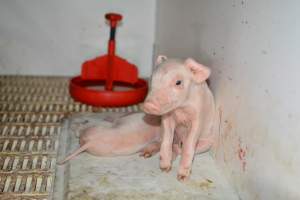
[180, 95]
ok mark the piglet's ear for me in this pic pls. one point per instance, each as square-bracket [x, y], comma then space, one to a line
[160, 59]
[200, 72]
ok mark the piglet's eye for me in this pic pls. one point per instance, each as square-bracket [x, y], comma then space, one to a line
[178, 82]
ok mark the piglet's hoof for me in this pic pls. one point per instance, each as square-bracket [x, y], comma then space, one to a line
[182, 178]
[164, 166]
[145, 154]
[166, 169]
[183, 175]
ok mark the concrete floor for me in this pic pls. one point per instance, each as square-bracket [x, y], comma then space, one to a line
[132, 177]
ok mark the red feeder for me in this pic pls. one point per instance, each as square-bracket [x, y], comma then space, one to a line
[117, 77]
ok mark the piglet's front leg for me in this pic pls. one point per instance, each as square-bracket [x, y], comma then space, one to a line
[168, 127]
[188, 153]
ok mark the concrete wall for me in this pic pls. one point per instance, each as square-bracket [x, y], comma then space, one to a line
[55, 37]
[253, 48]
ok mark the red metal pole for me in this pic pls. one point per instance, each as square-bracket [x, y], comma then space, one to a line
[114, 19]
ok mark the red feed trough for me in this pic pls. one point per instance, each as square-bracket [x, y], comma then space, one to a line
[109, 80]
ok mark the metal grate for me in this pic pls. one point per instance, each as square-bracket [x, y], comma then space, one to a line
[29, 128]
[31, 112]
[31, 109]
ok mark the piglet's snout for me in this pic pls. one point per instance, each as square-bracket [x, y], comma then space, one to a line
[151, 107]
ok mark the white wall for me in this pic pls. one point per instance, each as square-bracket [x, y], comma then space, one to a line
[253, 48]
[175, 30]
[55, 37]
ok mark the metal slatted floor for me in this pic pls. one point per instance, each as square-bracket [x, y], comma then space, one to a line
[31, 109]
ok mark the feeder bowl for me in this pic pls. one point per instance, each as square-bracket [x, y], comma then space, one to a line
[109, 80]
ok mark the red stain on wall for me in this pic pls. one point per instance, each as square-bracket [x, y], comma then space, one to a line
[242, 155]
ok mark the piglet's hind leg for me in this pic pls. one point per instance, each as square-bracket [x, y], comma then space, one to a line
[203, 145]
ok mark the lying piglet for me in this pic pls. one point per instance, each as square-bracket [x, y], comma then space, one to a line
[179, 93]
[129, 134]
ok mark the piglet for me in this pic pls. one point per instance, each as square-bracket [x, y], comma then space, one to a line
[129, 134]
[180, 95]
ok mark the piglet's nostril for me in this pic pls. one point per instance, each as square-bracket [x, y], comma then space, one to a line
[150, 107]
